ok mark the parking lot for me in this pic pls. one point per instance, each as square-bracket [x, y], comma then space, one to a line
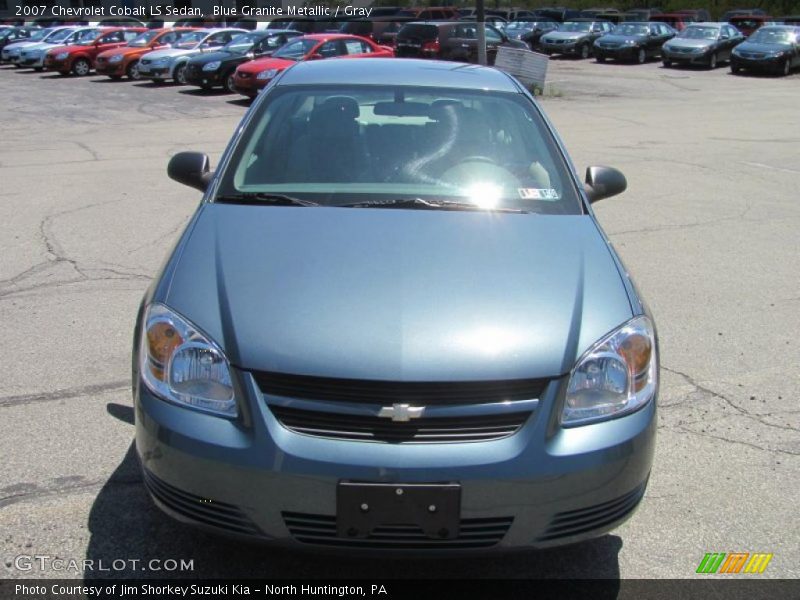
[708, 227]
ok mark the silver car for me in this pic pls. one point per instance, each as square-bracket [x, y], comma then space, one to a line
[170, 63]
[394, 324]
[32, 56]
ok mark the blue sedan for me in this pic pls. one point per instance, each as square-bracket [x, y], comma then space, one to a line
[394, 324]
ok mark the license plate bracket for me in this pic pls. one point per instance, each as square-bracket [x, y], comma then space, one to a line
[434, 508]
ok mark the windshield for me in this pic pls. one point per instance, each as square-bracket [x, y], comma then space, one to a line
[60, 35]
[144, 39]
[88, 40]
[772, 36]
[242, 43]
[630, 29]
[191, 40]
[295, 50]
[699, 33]
[39, 35]
[521, 26]
[346, 144]
[576, 26]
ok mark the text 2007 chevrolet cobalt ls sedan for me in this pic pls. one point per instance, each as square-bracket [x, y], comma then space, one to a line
[394, 323]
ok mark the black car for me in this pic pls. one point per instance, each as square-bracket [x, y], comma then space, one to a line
[633, 41]
[574, 38]
[381, 30]
[775, 48]
[16, 34]
[213, 69]
[530, 31]
[706, 44]
[450, 41]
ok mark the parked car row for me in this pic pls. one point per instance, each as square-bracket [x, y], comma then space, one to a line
[244, 61]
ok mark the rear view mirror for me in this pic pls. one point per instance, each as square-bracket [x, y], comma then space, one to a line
[604, 182]
[190, 168]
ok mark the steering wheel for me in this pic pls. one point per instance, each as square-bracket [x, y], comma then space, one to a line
[478, 158]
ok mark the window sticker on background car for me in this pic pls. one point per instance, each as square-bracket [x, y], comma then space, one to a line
[538, 194]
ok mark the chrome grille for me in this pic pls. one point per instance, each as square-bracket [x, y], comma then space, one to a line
[321, 530]
[424, 430]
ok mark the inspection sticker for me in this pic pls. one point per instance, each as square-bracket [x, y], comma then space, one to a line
[537, 194]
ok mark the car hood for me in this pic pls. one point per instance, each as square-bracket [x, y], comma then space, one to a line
[687, 43]
[621, 39]
[398, 294]
[220, 56]
[759, 47]
[20, 45]
[565, 35]
[264, 64]
[43, 45]
[171, 53]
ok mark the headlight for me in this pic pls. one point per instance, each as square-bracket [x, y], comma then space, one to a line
[212, 66]
[630, 42]
[269, 74]
[115, 59]
[776, 54]
[699, 50]
[62, 55]
[183, 366]
[617, 375]
[159, 62]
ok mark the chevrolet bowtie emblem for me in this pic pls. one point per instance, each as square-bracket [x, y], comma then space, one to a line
[401, 412]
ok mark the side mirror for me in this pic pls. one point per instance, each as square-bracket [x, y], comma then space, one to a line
[190, 168]
[315, 56]
[604, 182]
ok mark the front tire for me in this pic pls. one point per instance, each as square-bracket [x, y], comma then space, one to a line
[787, 68]
[667, 63]
[585, 51]
[735, 69]
[81, 67]
[133, 71]
[229, 82]
[38, 69]
[600, 59]
[712, 62]
[180, 74]
[641, 56]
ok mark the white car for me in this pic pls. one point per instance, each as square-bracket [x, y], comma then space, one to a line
[170, 63]
[10, 53]
[32, 55]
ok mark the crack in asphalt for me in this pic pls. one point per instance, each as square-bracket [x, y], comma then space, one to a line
[38, 492]
[56, 255]
[741, 413]
[65, 394]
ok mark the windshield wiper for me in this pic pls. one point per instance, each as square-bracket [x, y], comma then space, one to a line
[263, 198]
[419, 203]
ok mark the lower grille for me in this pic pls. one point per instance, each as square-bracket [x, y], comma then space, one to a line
[431, 430]
[321, 530]
[584, 520]
[202, 510]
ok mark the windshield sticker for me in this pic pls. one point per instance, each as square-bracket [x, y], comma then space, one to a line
[538, 194]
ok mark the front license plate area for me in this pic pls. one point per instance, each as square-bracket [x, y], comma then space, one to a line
[434, 508]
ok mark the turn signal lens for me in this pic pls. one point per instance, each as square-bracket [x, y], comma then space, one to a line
[162, 339]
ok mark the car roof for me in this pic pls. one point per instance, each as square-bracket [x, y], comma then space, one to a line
[329, 36]
[706, 24]
[405, 72]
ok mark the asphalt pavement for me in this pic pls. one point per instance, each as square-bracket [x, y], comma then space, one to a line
[709, 228]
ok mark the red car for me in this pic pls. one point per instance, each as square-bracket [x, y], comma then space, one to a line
[677, 21]
[254, 75]
[748, 24]
[125, 61]
[79, 59]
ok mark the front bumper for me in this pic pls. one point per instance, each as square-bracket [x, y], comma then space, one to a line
[565, 48]
[626, 52]
[108, 68]
[10, 56]
[773, 64]
[683, 58]
[248, 86]
[542, 486]
[196, 76]
[31, 61]
[157, 73]
[53, 64]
